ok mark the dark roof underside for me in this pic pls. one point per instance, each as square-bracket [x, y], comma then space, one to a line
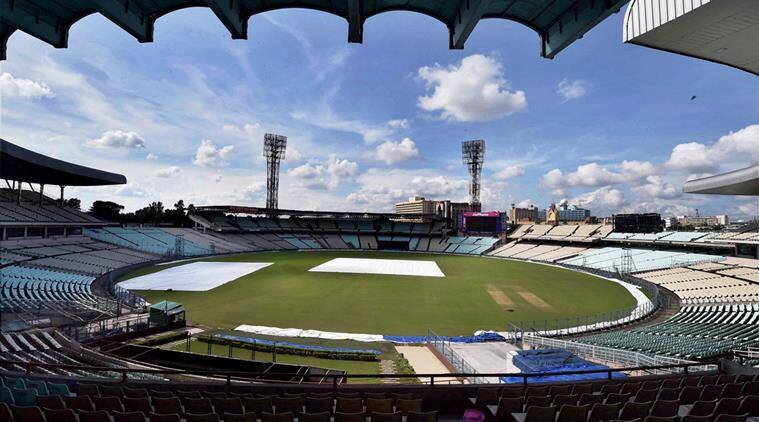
[558, 22]
[22, 165]
[739, 182]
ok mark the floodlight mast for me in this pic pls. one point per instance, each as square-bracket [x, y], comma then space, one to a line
[473, 156]
[274, 152]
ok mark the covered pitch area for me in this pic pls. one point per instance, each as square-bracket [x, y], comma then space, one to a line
[476, 293]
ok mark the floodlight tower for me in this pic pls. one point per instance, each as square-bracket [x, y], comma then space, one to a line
[473, 156]
[274, 151]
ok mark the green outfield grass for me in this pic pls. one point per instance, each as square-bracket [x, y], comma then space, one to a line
[350, 366]
[476, 294]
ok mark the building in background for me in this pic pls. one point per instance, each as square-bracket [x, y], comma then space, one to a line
[416, 205]
[702, 221]
[565, 213]
[442, 208]
[455, 212]
[638, 223]
[523, 215]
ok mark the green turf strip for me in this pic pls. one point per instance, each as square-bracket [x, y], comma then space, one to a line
[287, 295]
[353, 367]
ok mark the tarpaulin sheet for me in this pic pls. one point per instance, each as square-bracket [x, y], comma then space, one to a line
[265, 342]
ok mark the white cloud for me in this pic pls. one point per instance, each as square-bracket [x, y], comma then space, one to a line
[475, 90]
[742, 143]
[118, 139]
[656, 187]
[692, 157]
[293, 154]
[253, 191]
[151, 156]
[12, 87]
[167, 172]
[571, 90]
[696, 157]
[524, 203]
[508, 172]
[399, 124]
[325, 175]
[131, 190]
[207, 155]
[662, 207]
[594, 175]
[393, 152]
[748, 209]
[325, 118]
[382, 188]
[248, 129]
[600, 201]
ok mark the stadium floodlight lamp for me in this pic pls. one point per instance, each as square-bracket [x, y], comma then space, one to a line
[473, 156]
[274, 152]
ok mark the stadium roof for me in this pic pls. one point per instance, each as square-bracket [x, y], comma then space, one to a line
[236, 209]
[724, 31]
[738, 182]
[23, 165]
[558, 22]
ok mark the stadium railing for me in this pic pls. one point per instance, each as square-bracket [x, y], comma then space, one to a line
[617, 356]
[107, 327]
[337, 380]
[442, 345]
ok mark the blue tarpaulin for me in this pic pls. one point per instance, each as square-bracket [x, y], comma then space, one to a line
[552, 361]
[252, 340]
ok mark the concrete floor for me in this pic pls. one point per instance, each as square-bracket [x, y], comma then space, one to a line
[488, 357]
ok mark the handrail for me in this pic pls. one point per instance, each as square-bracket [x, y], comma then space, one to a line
[338, 378]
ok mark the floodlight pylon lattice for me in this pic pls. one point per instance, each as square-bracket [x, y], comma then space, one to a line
[274, 152]
[627, 264]
[179, 245]
[473, 156]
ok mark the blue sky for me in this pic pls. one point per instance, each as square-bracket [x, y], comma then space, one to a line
[605, 125]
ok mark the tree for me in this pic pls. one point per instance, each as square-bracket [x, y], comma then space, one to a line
[153, 213]
[179, 206]
[74, 203]
[107, 210]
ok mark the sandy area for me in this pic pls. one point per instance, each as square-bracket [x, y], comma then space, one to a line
[425, 362]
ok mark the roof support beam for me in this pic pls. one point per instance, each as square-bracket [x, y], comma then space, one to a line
[356, 21]
[230, 13]
[35, 21]
[468, 13]
[574, 22]
[128, 15]
[5, 32]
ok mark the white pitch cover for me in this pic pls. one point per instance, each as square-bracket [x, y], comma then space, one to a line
[380, 266]
[194, 277]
